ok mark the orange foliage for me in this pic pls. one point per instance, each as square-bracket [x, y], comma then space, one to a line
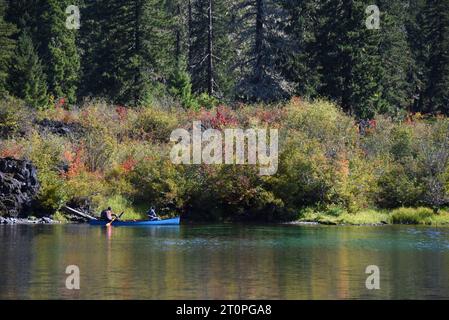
[14, 151]
[129, 164]
[75, 162]
[343, 165]
[122, 113]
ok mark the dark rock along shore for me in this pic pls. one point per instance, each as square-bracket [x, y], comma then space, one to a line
[18, 188]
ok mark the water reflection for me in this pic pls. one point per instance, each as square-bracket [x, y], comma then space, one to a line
[223, 262]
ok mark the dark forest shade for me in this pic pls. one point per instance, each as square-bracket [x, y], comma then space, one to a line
[6, 46]
[132, 52]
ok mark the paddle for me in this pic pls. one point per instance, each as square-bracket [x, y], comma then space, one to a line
[115, 218]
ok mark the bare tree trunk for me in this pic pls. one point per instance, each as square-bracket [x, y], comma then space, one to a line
[137, 13]
[259, 38]
[210, 69]
[190, 27]
[178, 45]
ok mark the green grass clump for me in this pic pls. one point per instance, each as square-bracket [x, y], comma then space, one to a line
[441, 218]
[366, 217]
[419, 216]
[423, 216]
[60, 217]
[412, 216]
[120, 204]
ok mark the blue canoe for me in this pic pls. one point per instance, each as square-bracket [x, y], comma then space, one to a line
[165, 222]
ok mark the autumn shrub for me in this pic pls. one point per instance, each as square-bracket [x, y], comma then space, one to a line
[235, 193]
[304, 176]
[86, 185]
[11, 148]
[320, 162]
[160, 183]
[154, 124]
[402, 140]
[433, 162]
[328, 163]
[416, 163]
[46, 154]
[323, 122]
[354, 181]
[397, 187]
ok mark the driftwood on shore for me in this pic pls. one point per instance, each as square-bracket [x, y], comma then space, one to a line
[79, 213]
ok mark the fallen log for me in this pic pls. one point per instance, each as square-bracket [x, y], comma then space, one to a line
[82, 214]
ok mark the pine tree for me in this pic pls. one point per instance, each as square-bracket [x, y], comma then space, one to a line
[126, 46]
[436, 29]
[26, 75]
[179, 83]
[419, 51]
[347, 55]
[396, 57]
[262, 40]
[211, 48]
[25, 15]
[58, 49]
[7, 44]
[297, 67]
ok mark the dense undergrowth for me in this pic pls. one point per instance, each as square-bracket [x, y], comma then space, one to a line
[330, 166]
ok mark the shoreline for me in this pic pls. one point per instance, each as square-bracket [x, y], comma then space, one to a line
[28, 221]
[48, 221]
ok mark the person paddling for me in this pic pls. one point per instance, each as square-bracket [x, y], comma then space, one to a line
[152, 214]
[108, 214]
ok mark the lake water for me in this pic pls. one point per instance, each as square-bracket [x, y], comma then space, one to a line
[223, 262]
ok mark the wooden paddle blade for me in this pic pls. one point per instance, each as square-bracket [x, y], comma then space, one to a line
[110, 223]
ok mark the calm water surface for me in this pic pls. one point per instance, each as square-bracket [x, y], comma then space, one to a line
[224, 262]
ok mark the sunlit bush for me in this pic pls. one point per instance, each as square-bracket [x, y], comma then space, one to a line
[328, 162]
[154, 124]
[15, 117]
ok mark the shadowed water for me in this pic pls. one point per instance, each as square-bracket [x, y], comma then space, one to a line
[224, 262]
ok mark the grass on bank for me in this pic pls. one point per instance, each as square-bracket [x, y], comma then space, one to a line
[120, 204]
[416, 216]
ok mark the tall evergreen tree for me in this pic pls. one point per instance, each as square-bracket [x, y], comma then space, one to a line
[347, 55]
[126, 49]
[397, 62]
[58, 49]
[7, 44]
[260, 26]
[26, 75]
[419, 51]
[179, 84]
[211, 48]
[24, 14]
[436, 29]
[301, 29]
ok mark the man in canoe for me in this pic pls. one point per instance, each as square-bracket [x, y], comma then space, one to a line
[108, 215]
[152, 216]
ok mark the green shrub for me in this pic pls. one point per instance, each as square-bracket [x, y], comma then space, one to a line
[398, 188]
[53, 193]
[180, 86]
[158, 182]
[402, 143]
[324, 163]
[154, 124]
[15, 117]
[206, 101]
